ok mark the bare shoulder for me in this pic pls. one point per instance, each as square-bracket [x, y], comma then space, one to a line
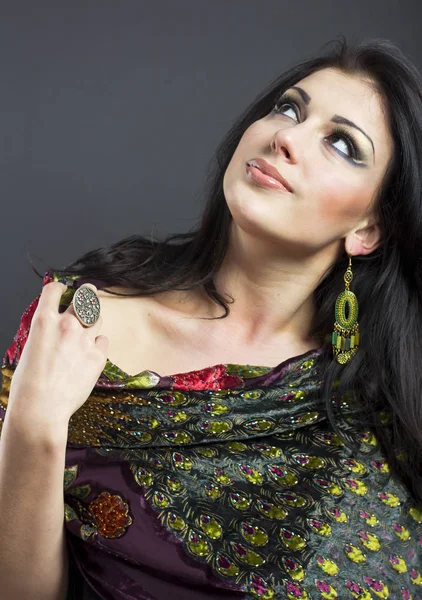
[149, 331]
[117, 290]
[117, 310]
[129, 323]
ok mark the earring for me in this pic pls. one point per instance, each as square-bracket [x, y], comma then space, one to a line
[345, 337]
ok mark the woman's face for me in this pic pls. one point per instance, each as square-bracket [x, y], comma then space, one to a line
[333, 184]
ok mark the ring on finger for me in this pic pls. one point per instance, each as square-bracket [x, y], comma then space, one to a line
[86, 305]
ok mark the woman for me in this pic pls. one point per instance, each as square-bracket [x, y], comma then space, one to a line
[300, 478]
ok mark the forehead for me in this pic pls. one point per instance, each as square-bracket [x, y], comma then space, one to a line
[338, 83]
[350, 96]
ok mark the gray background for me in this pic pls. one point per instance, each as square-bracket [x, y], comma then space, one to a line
[111, 110]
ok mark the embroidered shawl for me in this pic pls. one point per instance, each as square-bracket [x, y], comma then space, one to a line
[227, 482]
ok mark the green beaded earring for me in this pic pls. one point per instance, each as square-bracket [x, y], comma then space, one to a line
[345, 337]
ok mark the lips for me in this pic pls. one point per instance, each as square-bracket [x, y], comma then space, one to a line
[268, 169]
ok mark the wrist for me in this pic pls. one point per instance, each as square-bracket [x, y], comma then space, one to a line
[34, 428]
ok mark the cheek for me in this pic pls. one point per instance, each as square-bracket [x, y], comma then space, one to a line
[342, 200]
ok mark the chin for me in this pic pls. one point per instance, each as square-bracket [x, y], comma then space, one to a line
[249, 221]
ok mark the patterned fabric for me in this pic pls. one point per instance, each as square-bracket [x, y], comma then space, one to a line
[229, 482]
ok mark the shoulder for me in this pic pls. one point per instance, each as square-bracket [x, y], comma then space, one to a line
[126, 319]
[14, 351]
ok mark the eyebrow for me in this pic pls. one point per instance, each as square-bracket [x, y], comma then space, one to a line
[336, 119]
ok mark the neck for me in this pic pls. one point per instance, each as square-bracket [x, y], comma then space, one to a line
[273, 291]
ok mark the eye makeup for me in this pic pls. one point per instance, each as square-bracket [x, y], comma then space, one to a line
[339, 131]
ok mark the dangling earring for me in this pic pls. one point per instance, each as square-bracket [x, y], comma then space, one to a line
[345, 337]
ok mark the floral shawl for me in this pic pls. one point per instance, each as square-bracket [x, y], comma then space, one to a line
[227, 482]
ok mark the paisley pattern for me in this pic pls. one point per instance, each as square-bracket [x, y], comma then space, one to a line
[229, 479]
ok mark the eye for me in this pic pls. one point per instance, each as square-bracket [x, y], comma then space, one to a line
[286, 101]
[279, 107]
[342, 135]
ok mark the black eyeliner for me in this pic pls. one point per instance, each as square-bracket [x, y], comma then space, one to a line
[347, 136]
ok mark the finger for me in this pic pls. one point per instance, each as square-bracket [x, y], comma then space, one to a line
[102, 342]
[51, 295]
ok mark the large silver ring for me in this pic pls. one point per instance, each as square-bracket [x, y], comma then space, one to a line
[86, 305]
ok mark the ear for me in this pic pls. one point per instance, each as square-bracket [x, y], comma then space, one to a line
[364, 240]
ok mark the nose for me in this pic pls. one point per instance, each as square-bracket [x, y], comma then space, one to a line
[283, 143]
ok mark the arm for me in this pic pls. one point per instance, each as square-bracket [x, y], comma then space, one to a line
[33, 551]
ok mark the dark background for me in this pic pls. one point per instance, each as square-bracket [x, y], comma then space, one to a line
[111, 110]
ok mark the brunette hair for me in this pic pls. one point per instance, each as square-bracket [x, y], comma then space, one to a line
[386, 374]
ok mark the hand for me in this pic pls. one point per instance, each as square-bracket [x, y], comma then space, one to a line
[60, 362]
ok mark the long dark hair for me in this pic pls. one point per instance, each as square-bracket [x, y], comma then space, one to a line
[386, 373]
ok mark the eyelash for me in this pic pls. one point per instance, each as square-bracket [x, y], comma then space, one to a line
[338, 131]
